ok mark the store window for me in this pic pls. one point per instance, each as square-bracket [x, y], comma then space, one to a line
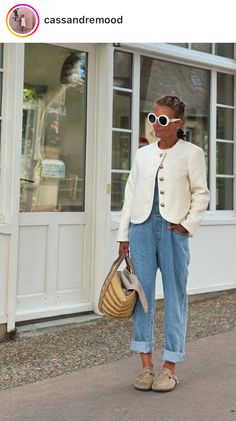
[225, 142]
[219, 49]
[190, 84]
[224, 50]
[203, 47]
[54, 129]
[121, 131]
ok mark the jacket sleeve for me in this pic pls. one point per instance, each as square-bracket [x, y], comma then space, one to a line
[128, 199]
[199, 192]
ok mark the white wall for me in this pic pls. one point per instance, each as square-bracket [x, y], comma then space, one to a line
[212, 258]
[213, 263]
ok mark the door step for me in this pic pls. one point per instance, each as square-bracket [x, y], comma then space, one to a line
[41, 327]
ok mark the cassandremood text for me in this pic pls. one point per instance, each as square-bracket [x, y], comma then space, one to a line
[84, 20]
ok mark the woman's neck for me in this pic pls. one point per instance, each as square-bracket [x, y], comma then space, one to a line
[167, 143]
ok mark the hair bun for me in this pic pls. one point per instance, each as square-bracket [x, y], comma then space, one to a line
[181, 134]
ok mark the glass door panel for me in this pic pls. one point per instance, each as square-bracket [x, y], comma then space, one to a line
[54, 129]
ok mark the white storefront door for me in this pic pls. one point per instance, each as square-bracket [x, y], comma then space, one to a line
[54, 253]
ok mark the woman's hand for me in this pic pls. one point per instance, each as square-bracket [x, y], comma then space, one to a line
[124, 248]
[179, 228]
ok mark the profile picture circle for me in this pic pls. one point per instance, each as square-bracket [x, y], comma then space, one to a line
[22, 20]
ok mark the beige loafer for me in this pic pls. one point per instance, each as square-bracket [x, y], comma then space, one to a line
[144, 380]
[165, 381]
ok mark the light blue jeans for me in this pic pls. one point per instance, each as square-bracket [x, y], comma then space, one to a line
[153, 246]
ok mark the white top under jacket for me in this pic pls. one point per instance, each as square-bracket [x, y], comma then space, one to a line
[182, 186]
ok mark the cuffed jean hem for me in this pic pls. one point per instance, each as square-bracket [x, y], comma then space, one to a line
[142, 346]
[174, 357]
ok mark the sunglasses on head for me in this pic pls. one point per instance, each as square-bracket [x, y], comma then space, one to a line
[163, 120]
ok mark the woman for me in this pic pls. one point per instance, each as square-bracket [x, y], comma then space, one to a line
[15, 13]
[22, 23]
[166, 196]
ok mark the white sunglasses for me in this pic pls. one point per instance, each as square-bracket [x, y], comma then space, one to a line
[163, 120]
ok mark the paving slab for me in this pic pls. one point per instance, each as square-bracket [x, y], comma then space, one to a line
[207, 390]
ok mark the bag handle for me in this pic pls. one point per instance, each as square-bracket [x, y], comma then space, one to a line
[118, 262]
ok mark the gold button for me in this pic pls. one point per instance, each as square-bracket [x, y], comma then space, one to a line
[162, 204]
[161, 178]
[162, 192]
[161, 166]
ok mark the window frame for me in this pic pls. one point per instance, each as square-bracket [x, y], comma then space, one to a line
[13, 72]
[204, 61]
[225, 141]
[134, 129]
[213, 49]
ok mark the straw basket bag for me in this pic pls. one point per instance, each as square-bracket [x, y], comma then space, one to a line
[120, 291]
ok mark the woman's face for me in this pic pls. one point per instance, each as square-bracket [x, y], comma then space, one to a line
[170, 130]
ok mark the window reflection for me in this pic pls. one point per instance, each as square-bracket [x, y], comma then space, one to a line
[203, 47]
[192, 85]
[54, 130]
[225, 89]
[122, 69]
[121, 150]
[122, 131]
[221, 49]
[122, 110]
[224, 193]
[224, 158]
[224, 49]
[180, 44]
[118, 189]
[225, 123]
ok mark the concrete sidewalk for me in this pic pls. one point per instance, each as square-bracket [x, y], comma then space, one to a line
[207, 390]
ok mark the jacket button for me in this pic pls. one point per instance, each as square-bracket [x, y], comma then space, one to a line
[161, 155]
[162, 205]
[161, 166]
[161, 178]
[162, 192]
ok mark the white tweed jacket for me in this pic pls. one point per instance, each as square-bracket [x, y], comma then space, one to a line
[182, 185]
